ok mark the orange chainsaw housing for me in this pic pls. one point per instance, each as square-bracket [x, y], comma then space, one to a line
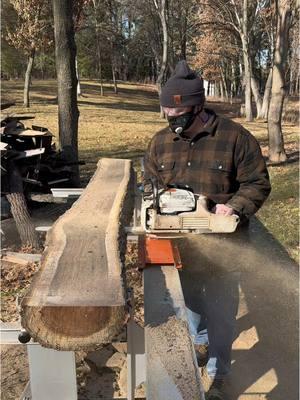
[155, 251]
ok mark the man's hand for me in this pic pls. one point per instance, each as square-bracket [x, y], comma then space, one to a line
[223, 209]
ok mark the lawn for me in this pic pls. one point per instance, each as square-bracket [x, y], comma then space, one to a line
[121, 126]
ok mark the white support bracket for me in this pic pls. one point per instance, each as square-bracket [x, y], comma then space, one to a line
[136, 358]
[52, 373]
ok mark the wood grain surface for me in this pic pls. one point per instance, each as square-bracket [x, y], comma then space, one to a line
[77, 299]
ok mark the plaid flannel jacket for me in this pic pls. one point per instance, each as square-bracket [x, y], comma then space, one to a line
[223, 162]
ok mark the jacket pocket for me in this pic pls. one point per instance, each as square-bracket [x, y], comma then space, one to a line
[166, 171]
[220, 176]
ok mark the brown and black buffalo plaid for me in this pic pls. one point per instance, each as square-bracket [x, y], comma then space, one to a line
[223, 161]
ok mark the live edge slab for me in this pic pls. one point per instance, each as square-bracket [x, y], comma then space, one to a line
[77, 299]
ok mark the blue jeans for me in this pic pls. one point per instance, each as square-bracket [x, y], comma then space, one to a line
[211, 295]
[216, 367]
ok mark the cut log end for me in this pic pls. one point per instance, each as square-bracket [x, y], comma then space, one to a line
[73, 328]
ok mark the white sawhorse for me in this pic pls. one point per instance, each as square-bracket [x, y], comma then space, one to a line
[53, 373]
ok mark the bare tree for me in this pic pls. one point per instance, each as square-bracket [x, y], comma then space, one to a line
[276, 143]
[19, 209]
[32, 33]
[161, 9]
[65, 55]
[267, 96]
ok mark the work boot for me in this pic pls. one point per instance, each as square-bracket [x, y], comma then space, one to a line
[215, 392]
[201, 351]
[212, 387]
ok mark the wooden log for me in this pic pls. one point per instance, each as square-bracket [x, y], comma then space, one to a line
[77, 300]
[172, 370]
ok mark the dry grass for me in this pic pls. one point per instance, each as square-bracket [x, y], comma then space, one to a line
[122, 125]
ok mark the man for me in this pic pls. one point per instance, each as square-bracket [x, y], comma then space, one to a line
[218, 158]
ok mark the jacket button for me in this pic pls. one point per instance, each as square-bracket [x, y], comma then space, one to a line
[192, 143]
[162, 166]
[220, 167]
[188, 164]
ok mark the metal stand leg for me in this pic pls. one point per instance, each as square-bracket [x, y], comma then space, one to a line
[52, 374]
[136, 360]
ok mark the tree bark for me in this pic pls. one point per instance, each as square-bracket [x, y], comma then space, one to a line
[247, 67]
[65, 55]
[25, 227]
[257, 96]
[28, 79]
[78, 80]
[99, 57]
[276, 142]
[267, 96]
[162, 15]
[18, 206]
[223, 83]
[222, 91]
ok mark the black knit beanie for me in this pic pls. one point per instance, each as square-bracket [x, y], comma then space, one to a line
[183, 89]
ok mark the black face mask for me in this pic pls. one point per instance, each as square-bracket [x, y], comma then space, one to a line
[181, 123]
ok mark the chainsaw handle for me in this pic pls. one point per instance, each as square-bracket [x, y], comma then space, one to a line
[155, 193]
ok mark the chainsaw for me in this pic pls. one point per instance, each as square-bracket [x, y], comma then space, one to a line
[177, 210]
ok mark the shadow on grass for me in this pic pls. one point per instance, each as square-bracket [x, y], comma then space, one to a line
[224, 109]
[122, 106]
[88, 88]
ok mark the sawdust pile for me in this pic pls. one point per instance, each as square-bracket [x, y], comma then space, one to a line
[172, 338]
[15, 280]
[135, 281]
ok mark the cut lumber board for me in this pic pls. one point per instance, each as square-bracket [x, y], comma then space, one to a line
[172, 369]
[20, 258]
[77, 298]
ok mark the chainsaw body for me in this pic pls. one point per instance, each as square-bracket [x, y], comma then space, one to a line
[176, 210]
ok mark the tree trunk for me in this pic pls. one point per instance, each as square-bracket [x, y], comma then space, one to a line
[267, 95]
[18, 205]
[246, 58]
[291, 79]
[223, 83]
[276, 142]
[217, 90]
[78, 80]
[162, 14]
[257, 96]
[28, 79]
[99, 57]
[65, 55]
[25, 227]
[233, 83]
[114, 79]
[247, 66]
[222, 91]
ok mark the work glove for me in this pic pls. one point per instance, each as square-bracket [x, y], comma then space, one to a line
[223, 209]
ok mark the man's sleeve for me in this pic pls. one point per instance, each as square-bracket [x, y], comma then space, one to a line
[252, 176]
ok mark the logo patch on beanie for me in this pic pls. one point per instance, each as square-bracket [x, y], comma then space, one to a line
[177, 99]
